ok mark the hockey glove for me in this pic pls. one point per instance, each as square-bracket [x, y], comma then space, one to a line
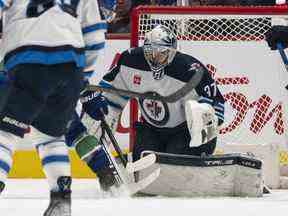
[277, 34]
[94, 104]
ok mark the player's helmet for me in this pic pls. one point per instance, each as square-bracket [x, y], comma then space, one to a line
[160, 46]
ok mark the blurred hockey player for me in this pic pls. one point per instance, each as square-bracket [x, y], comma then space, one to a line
[277, 34]
[89, 148]
[47, 45]
[187, 126]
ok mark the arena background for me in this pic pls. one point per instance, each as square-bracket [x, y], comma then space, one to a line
[229, 59]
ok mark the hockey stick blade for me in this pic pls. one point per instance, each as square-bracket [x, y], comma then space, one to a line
[172, 98]
[143, 183]
[141, 164]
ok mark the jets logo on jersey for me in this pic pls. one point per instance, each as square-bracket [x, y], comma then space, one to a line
[156, 111]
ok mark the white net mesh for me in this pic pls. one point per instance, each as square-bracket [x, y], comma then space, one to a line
[229, 45]
[224, 28]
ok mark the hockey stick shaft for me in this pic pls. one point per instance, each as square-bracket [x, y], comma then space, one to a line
[180, 93]
[111, 161]
[123, 92]
[113, 140]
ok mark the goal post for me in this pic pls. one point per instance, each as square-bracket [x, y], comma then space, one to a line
[230, 41]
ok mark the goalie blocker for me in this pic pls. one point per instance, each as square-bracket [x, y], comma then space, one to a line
[222, 175]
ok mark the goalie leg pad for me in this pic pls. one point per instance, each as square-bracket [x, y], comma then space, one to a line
[220, 175]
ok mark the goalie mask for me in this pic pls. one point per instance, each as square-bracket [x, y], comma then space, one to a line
[160, 46]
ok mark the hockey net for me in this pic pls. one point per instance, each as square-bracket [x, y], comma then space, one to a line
[230, 42]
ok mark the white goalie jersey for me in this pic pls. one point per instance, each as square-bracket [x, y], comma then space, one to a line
[52, 32]
[133, 73]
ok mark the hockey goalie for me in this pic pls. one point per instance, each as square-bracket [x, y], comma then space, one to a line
[182, 133]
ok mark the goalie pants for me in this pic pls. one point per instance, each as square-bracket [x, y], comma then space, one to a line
[168, 140]
[44, 96]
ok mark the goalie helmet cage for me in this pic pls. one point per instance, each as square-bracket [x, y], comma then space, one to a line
[223, 38]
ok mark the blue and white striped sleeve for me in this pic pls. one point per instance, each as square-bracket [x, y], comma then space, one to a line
[93, 29]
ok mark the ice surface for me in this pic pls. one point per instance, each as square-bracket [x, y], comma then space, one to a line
[30, 197]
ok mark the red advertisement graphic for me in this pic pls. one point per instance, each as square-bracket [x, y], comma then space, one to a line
[263, 110]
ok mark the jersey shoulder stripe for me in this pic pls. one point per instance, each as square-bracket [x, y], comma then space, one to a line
[44, 55]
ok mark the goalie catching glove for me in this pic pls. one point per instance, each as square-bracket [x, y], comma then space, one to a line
[201, 121]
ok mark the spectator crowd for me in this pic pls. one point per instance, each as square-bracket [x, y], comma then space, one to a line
[117, 12]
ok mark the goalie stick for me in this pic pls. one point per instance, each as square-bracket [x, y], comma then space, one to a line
[124, 170]
[105, 127]
[180, 93]
[283, 57]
